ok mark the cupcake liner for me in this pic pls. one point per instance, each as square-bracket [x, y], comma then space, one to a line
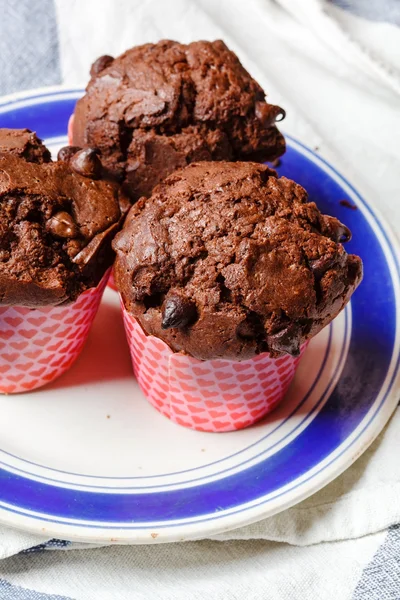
[111, 281]
[69, 132]
[38, 345]
[213, 395]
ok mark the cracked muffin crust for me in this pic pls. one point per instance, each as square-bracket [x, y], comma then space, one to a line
[25, 144]
[226, 260]
[158, 107]
[56, 228]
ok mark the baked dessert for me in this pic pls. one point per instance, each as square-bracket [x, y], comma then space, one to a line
[25, 144]
[226, 260]
[57, 220]
[158, 107]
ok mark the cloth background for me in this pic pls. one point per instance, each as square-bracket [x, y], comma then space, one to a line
[338, 77]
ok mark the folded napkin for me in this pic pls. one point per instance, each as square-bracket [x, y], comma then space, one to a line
[338, 76]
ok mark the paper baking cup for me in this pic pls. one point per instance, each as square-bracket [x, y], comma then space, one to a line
[70, 124]
[111, 281]
[38, 345]
[212, 395]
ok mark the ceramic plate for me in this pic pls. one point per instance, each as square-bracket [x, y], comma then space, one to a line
[88, 459]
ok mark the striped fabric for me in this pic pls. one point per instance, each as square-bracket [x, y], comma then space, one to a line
[380, 579]
[376, 10]
[13, 592]
[28, 45]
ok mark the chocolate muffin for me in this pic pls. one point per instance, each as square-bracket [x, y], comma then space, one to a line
[158, 107]
[57, 220]
[25, 144]
[226, 260]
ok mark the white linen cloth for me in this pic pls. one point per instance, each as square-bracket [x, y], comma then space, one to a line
[338, 77]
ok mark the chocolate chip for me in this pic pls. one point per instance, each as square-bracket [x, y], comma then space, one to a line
[285, 341]
[322, 264]
[343, 234]
[100, 64]
[268, 113]
[67, 152]
[337, 231]
[178, 311]
[95, 247]
[87, 163]
[280, 114]
[62, 225]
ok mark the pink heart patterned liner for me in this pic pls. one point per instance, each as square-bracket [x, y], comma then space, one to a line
[38, 345]
[214, 395]
[111, 281]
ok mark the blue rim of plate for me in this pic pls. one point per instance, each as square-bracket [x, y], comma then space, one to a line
[357, 409]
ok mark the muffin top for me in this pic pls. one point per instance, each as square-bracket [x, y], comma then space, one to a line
[25, 144]
[158, 107]
[226, 260]
[56, 227]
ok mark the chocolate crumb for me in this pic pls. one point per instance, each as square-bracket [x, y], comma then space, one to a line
[348, 204]
[276, 163]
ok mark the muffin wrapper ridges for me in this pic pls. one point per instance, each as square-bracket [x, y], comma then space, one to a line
[38, 345]
[70, 137]
[111, 281]
[215, 395]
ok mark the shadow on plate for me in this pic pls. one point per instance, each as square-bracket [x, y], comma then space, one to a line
[105, 356]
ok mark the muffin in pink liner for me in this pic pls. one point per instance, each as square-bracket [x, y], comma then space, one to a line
[38, 345]
[225, 273]
[212, 395]
[57, 221]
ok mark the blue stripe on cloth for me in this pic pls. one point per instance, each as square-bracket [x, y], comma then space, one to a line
[50, 545]
[380, 579]
[28, 45]
[375, 10]
[13, 592]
